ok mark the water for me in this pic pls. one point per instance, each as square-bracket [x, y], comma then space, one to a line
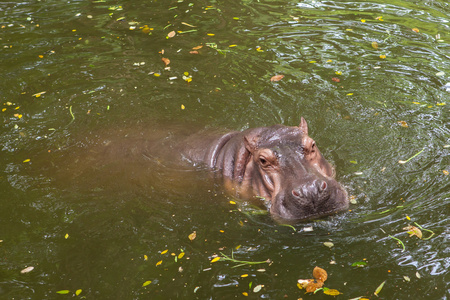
[99, 80]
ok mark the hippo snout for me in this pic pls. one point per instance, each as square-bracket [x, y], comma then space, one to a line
[312, 199]
[310, 191]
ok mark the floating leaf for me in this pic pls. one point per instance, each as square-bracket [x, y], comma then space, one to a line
[66, 236]
[379, 288]
[166, 61]
[320, 274]
[245, 294]
[413, 230]
[188, 24]
[313, 286]
[215, 259]
[27, 270]
[26, 160]
[335, 79]
[211, 34]
[418, 275]
[244, 275]
[171, 34]
[415, 29]
[181, 255]
[276, 78]
[78, 292]
[196, 289]
[165, 251]
[445, 172]
[146, 283]
[403, 124]
[257, 288]
[232, 202]
[145, 257]
[197, 47]
[359, 264]
[440, 73]
[193, 235]
[382, 56]
[375, 45]
[63, 292]
[193, 52]
[182, 106]
[158, 263]
[407, 279]
[328, 244]
[331, 292]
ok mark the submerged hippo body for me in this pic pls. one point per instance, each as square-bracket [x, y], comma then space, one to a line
[280, 163]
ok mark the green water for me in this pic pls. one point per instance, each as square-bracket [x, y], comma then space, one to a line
[102, 229]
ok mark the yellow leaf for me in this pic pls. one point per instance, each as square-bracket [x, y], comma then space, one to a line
[221, 231]
[211, 34]
[17, 108]
[41, 56]
[375, 45]
[158, 263]
[338, 73]
[416, 102]
[165, 251]
[441, 104]
[415, 30]
[299, 286]
[181, 255]
[445, 172]
[146, 283]
[231, 46]
[145, 257]
[245, 294]
[244, 275]
[364, 21]
[26, 160]
[382, 56]
[408, 218]
[332, 292]
[188, 24]
[237, 247]
[156, 74]
[232, 202]
[193, 235]
[171, 34]
[312, 62]
[403, 124]
[215, 259]
[350, 94]
[66, 236]
[3, 109]
[329, 60]
[182, 106]
[78, 292]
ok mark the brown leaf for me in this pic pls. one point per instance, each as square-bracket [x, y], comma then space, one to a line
[415, 29]
[166, 61]
[313, 286]
[413, 230]
[277, 78]
[197, 47]
[320, 274]
[171, 34]
[335, 79]
[193, 52]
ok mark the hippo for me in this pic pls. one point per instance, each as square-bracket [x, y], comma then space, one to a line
[281, 164]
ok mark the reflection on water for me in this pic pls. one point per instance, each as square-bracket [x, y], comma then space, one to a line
[371, 78]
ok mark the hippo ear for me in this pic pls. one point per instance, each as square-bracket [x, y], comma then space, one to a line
[250, 143]
[303, 126]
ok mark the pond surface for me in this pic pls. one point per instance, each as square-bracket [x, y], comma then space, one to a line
[372, 78]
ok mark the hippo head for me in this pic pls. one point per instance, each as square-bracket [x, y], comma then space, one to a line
[288, 169]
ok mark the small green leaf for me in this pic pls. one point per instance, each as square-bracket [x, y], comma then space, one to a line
[146, 283]
[63, 292]
[359, 264]
[78, 292]
[379, 288]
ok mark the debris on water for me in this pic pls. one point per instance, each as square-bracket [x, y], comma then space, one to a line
[413, 230]
[193, 235]
[328, 244]
[379, 288]
[276, 78]
[27, 270]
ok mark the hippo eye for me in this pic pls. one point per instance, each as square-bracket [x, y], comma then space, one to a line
[263, 161]
[313, 147]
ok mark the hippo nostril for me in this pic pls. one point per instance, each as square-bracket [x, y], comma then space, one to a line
[296, 194]
[323, 186]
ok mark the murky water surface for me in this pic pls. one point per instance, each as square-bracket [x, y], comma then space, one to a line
[371, 77]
